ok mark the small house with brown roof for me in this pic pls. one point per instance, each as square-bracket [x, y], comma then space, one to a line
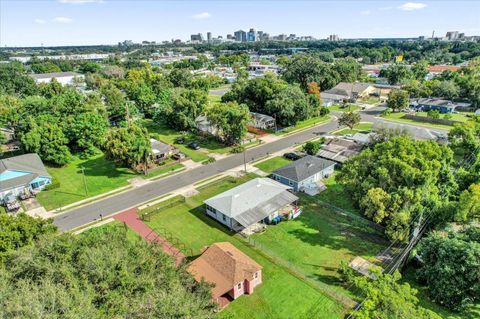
[231, 271]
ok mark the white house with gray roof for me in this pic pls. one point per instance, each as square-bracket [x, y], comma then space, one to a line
[22, 173]
[258, 200]
[304, 173]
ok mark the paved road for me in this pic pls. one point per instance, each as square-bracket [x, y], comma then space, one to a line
[125, 200]
[114, 204]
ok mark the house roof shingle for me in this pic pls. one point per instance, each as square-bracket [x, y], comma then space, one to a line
[223, 265]
[303, 168]
[248, 196]
[30, 163]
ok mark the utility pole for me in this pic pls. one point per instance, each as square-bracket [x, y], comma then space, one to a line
[244, 157]
[84, 181]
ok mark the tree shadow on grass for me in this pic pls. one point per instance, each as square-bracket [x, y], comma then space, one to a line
[100, 166]
[199, 212]
[324, 228]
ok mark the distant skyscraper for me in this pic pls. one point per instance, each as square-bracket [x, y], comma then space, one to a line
[251, 35]
[229, 37]
[452, 35]
[196, 37]
[333, 37]
[240, 36]
[209, 37]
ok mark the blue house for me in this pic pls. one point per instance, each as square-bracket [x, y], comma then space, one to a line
[20, 174]
[427, 104]
[304, 173]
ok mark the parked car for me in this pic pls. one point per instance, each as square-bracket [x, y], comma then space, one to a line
[194, 145]
[292, 156]
[178, 156]
[180, 140]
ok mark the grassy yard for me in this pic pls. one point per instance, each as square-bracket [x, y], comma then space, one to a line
[364, 127]
[460, 117]
[281, 295]
[398, 117]
[304, 124]
[317, 242]
[168, 135]
[370, 100]
[164, 169]
[348, 108]
[272, 164]
[100, 176]
[336, 195]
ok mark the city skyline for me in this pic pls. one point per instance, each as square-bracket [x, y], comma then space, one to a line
[90, 22]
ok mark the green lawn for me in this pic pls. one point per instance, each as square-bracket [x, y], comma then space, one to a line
[100, 176]
[168, 135]
[336, 195]
[305, 124]
[409, 276]
[461, 117]
[214, 98]
[364, 127]
[348, 108]
[164, 169]
[398, 117]
[370, 100]
[317, 242]
[281, 295]
[272, 164]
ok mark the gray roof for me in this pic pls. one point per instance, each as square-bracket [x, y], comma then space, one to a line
[25, 163]
[30, 163]
[303, 168]
[159, 147]
[263, 118]
[251, 198]
[53, 75]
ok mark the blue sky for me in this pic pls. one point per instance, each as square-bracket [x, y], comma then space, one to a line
[80, 22]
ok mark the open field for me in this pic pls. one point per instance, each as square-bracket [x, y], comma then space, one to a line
[272, 164]
[101, 176]
[364, 127]
[348, 108]
[281, 295]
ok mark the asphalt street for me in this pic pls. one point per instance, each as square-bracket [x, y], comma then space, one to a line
[117, 203]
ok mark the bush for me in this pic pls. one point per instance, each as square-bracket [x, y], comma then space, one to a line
[312, 147]
[53, 185]
[237, 149]
[209, 161]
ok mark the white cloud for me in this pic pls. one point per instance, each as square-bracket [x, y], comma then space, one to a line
[80, 1]
[62, 20]
[411, 6]
[40, 21]
[202, 15]
[365, 12]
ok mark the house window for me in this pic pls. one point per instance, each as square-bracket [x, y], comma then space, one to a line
[256, 275]
[224, 218]
[239, 286]
[290, 183]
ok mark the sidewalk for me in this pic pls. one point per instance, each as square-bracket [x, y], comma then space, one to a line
[131, 219]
